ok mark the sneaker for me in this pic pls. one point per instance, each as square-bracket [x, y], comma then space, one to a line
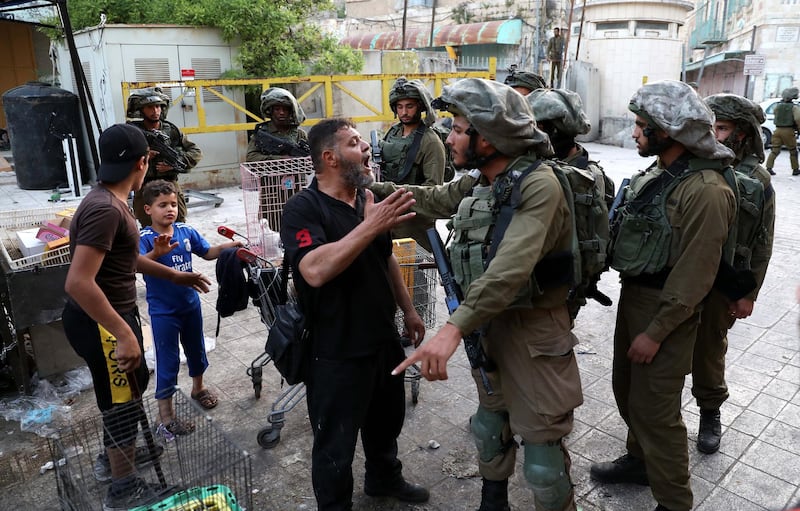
[102, 467]
[402, 491]
[625, 469]
[140, 493]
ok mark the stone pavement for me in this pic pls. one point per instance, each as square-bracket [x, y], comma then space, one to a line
[757, 468]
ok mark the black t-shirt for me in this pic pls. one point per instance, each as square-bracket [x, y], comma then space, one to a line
[353, 314]
[104, 222]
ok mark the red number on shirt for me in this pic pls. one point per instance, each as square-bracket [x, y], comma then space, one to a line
[303, 238]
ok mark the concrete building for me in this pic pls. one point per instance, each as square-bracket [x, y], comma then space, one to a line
[625, 43]
[723, 33]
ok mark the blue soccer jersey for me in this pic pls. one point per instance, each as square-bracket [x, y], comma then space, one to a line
[163, 296]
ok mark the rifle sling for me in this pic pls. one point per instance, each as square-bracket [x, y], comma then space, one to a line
[413, 149]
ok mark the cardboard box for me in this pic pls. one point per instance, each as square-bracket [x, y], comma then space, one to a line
[56, 244]
[54, 229]
[29, 245]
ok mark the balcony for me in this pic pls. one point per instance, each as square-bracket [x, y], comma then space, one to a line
[710, 32]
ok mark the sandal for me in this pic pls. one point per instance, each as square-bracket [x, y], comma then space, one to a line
[206, 399]
[176, 427]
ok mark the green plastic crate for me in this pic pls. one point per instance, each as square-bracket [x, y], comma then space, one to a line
[207, 498]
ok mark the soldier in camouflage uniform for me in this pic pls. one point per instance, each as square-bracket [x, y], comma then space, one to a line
[667, 242]
[787, 123]
[147, 109]
[559, 113]
[738, 127]
[528, 337]
[409, 99]
[285, 115]
[524, 82]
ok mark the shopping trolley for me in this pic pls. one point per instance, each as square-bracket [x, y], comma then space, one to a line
[418, 273]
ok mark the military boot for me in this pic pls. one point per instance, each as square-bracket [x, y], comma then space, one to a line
[710, 432]
[661, 508]
[625, 469]
[494, 496]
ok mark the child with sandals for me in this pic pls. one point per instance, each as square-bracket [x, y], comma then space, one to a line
[175, 312]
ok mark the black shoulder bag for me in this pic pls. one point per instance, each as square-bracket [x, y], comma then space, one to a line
[289, 340]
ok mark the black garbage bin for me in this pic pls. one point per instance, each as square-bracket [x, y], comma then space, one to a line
[39, 117]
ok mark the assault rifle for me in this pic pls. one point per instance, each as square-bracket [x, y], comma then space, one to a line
[453, 296]
[377, 155]
[612, 211]
[267, 143]
[159, 142]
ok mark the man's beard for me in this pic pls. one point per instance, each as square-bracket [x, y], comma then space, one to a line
[656, 146]
[414, 120]
[354, 176]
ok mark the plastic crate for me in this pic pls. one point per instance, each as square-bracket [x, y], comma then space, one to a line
[13, 221]
[266, 186]
[210, 498]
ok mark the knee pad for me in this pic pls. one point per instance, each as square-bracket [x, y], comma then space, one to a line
[546, 473]
[487, 431]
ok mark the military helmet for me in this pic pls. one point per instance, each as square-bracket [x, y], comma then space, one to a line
[675, 108]
[149, 96]
[747, 115]
[526, 79]
[562, 107]
[790, 94]
[278, 96]
[404, 88]
[499, 113]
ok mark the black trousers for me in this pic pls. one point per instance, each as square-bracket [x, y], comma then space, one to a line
[346, 397]
[112, 389]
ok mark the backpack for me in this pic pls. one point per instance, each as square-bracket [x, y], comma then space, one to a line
[449, 168]
[735, 278]
[751, 227]
[589, 193]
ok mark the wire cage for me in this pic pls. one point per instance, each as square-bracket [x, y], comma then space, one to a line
[266, 186]
[419, 275]
[193, 472]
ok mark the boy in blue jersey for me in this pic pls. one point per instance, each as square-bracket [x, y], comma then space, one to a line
[175, 312]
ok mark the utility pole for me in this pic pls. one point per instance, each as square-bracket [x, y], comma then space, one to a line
[405, 14]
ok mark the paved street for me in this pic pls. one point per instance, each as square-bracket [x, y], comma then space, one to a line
[757, 468]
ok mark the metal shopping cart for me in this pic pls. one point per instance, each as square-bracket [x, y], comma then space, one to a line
[265, 275]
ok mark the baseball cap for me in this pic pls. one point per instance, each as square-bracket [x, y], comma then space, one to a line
[121, 145]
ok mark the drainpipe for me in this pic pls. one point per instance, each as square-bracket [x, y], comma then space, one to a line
[750, 84]
[405, 14]
[433, 22]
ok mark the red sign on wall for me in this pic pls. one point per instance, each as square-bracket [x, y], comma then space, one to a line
[187, 74]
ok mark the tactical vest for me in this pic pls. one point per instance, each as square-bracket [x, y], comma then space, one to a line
[642, 234]
[481, 219]
[784, 117]
[394, 151]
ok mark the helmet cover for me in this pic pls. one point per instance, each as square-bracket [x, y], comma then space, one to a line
[404, 88]
[278, 96]
[499, 113]
[746, 114]
[790, 94]
[141, 98]
[562, 107]
[675, 108]
[530, 81]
